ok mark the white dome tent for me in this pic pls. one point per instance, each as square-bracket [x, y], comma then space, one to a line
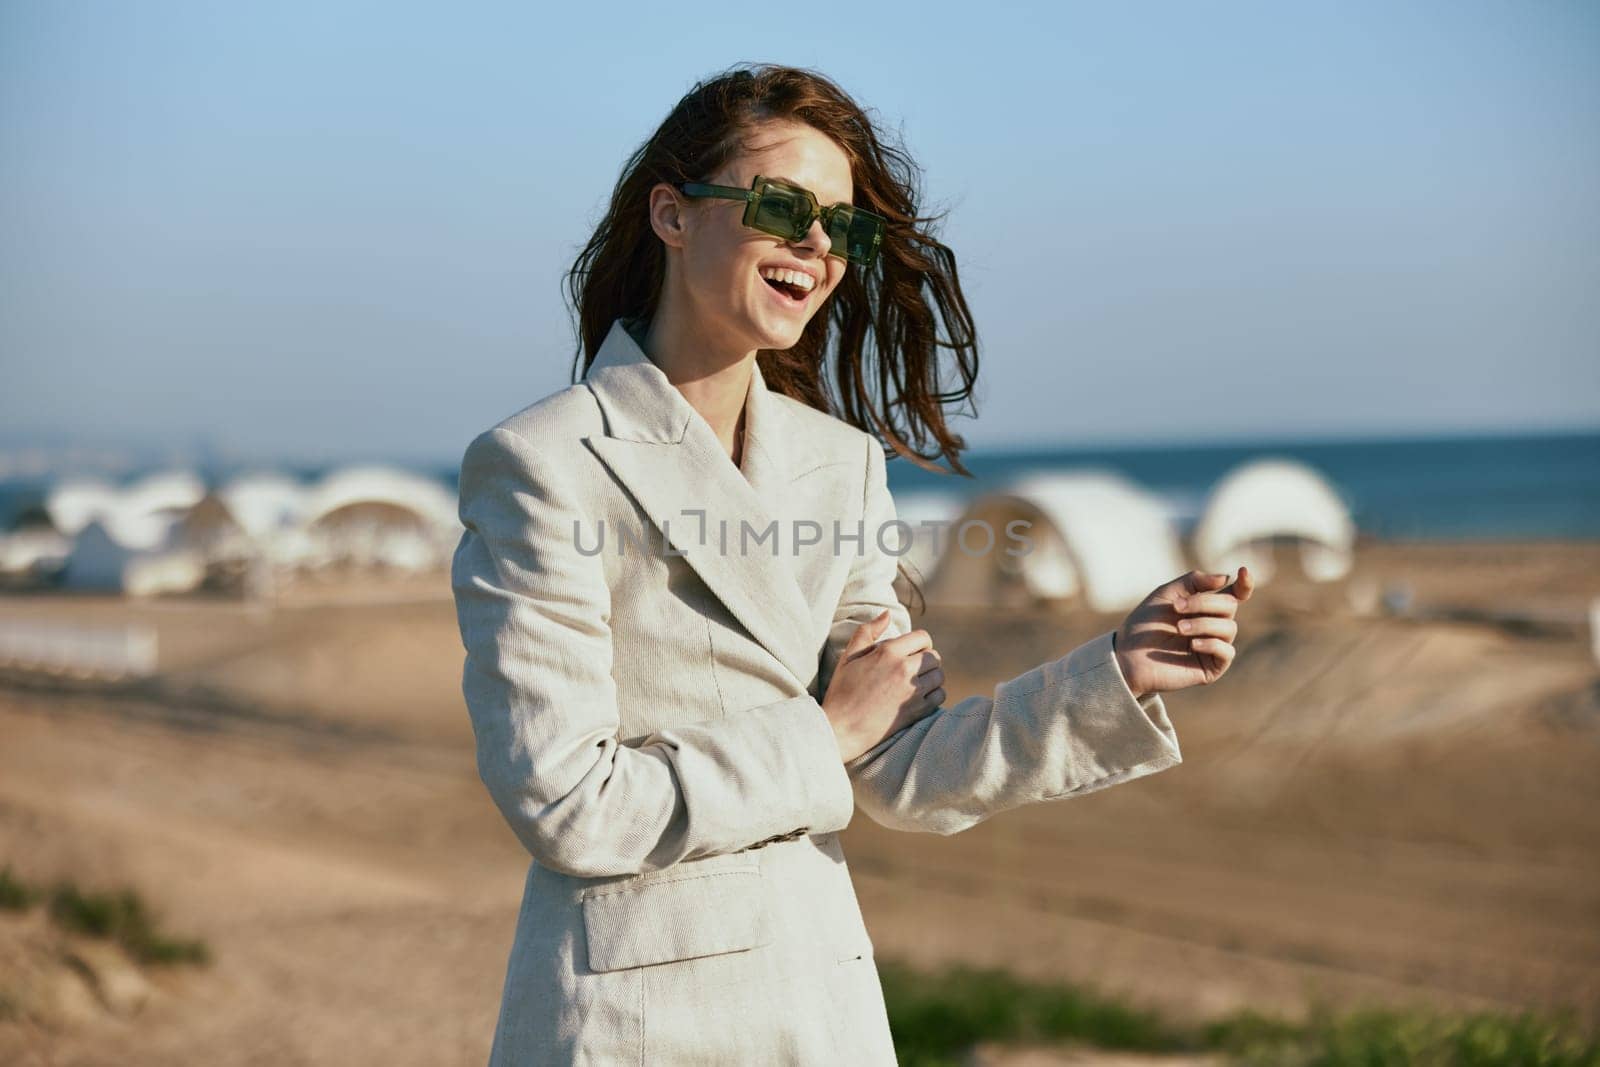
[170, 493]
[248, 530]
[32, 551]
[1092, 534]
[73, 502]
[374, 515]
[129, 539]
[1267, 500]
[32, 548]
[264, 503]
[167, 532]
[139, 555]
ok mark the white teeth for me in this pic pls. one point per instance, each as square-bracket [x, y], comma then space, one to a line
[789, 277]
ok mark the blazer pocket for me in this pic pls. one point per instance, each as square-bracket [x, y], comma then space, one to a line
[700, 913]
[848, 931]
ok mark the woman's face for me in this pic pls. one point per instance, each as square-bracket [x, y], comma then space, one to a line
[722, 260]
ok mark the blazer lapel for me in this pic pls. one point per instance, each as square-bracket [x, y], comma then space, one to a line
[669, 459]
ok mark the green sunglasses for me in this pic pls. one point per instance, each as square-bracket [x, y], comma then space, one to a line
[788, 211]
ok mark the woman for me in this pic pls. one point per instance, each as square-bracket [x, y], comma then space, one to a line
[677, 729]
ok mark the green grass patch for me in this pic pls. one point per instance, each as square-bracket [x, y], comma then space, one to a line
[121, 916]
[1408, 1038]
[118, 915]
[14, 896]
[936, 1018]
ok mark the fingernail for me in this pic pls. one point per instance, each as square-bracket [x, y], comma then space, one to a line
[1184, 625]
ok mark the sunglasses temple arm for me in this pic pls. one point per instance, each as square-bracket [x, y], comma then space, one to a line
[722, 192]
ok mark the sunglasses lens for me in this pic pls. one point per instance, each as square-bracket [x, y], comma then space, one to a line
[855, 235]
[782, 213]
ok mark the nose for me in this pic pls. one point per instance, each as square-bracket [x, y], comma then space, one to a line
[816, 237]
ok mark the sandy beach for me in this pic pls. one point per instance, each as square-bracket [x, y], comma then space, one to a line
[1372, 808]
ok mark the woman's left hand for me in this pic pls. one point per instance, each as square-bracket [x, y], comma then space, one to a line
[1182, 634]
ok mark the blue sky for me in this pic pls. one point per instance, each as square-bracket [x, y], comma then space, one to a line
[337, 230]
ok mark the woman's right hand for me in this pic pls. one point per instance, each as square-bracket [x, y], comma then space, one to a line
[881, 686]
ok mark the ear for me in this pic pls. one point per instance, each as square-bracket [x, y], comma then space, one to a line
[668, 214]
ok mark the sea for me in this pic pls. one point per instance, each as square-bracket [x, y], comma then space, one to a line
[1478, 487]
[1527, 486]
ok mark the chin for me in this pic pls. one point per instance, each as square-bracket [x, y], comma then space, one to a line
[777, 335]
[791, 334]
[775, 328]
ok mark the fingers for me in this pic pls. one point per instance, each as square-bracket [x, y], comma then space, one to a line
[908, 643]
[1243, 586]
[1202, 582]
[1217, 602]
[1186, 585]
[864, 637]
[1209, 626]
[1219, 650]
[867, 632]
[1207, 604]
[926, 697]
[927, 679]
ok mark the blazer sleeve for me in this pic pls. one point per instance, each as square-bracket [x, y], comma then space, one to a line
[1065, 728]
[534, 618]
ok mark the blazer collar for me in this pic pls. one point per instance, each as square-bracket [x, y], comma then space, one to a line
[671, 461]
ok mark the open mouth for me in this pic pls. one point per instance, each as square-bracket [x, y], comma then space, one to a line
[790, 294]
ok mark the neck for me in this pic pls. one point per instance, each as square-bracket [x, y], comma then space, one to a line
[713, 378]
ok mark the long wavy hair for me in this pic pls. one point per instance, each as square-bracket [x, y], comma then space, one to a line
[880, 333]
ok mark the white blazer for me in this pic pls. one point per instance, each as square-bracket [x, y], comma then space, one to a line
[647, 720]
